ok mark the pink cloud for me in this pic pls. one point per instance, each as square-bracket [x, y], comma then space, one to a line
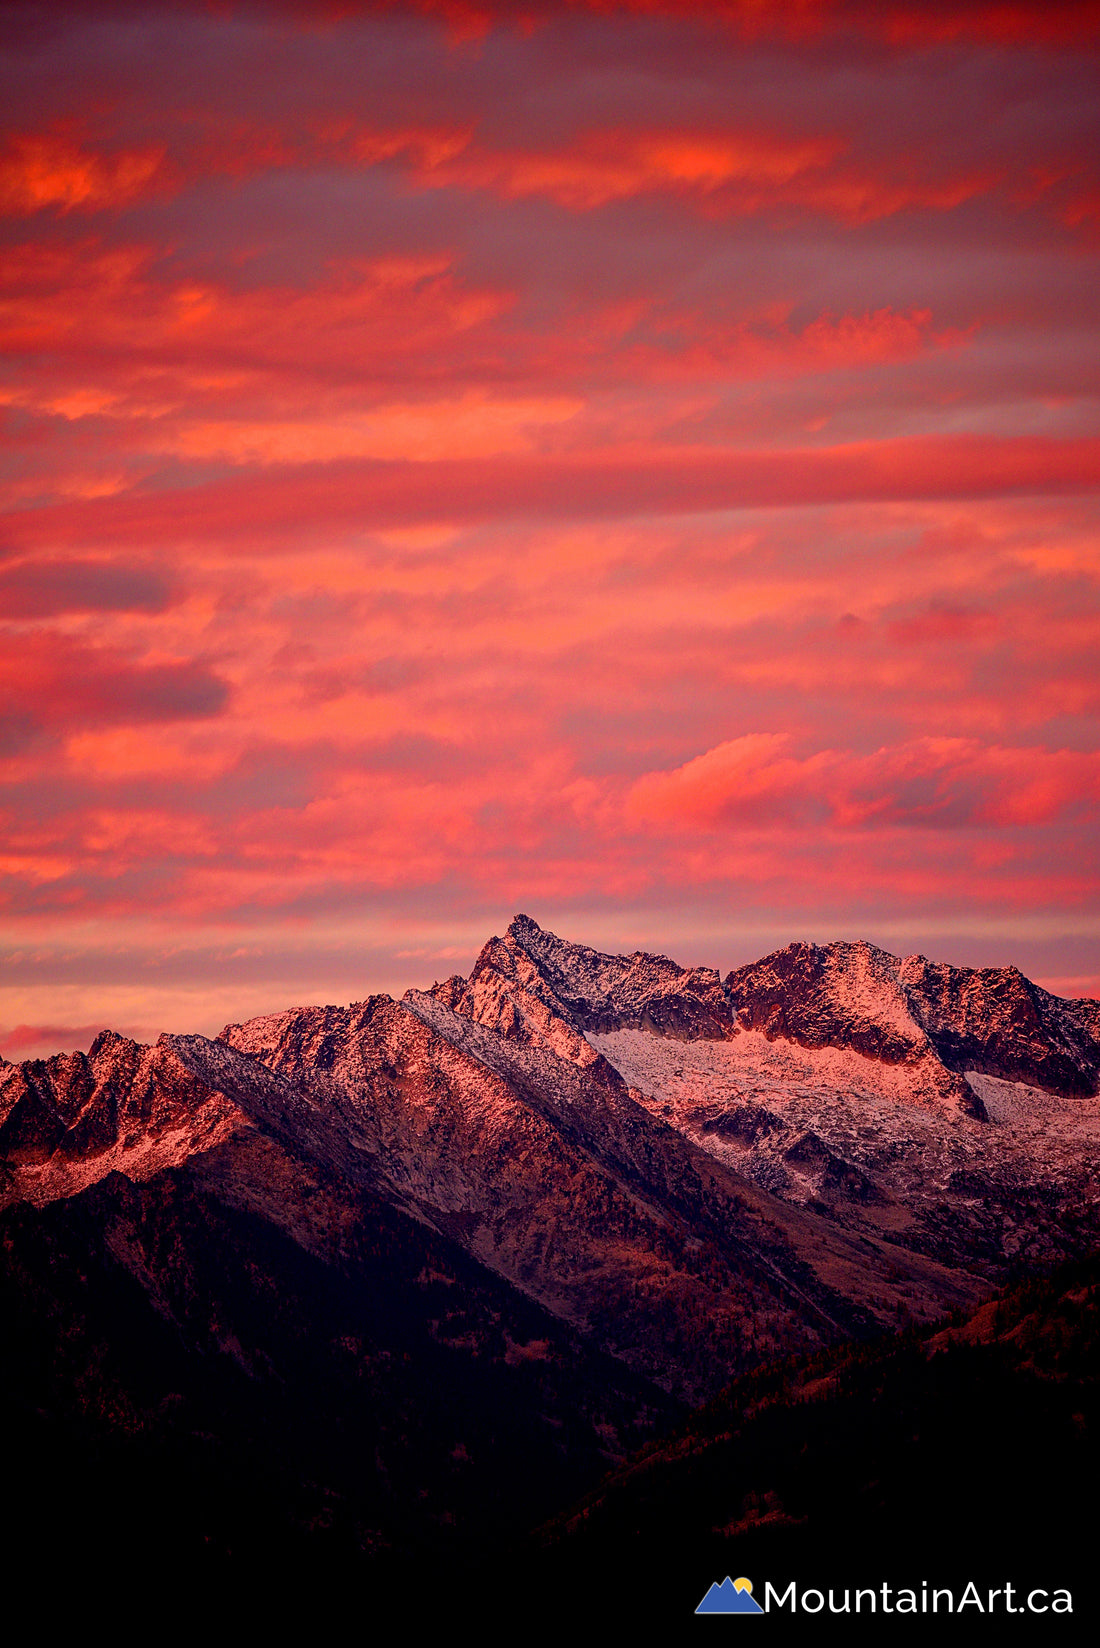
[933, 782]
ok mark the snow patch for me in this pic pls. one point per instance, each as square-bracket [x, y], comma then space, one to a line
[753, 1066]
[1011, 1101]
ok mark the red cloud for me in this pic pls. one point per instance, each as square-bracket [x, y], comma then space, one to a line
[91, 300]
[508, 423]
[917, 21]
[999, 21]
[614, 165]
[691, 348]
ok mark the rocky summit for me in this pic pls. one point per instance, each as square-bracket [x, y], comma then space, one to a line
[463, 1252]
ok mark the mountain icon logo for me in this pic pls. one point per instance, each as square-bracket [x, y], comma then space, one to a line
[733, 1596]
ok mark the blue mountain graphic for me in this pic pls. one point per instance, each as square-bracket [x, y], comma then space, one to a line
[726, 1599]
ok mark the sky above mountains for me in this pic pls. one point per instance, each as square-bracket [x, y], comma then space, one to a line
[631, 462]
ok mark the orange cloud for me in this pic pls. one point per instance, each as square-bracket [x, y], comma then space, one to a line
[727, 173]
[44, 170]
[611, 165]
[467, 426]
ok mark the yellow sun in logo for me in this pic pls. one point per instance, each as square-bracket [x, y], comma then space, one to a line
[743, 1585]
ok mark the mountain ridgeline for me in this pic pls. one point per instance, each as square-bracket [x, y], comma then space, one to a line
[348, 1285]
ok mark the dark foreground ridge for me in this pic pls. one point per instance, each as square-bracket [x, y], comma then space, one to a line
[944, 1457]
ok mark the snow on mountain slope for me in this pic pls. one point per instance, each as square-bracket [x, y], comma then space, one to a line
[990, 1019]
[953, 1110]
[828, 1129]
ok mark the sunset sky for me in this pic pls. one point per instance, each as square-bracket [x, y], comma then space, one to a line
[633, 463]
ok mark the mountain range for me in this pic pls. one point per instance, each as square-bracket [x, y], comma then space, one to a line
[344, 1286]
